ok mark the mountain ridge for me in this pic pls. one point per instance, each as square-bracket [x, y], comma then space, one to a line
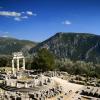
[8, 45]
[74, 46]
[64, 45]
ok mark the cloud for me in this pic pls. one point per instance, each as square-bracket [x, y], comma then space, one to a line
[17, 19]
[24, 17]
[9, 13]
[29, 13]
[20, 18]
[66, 22]
[17, 16]
[5, 36]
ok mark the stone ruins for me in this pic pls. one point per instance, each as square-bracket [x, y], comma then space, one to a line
[16, 57]
[24, 84]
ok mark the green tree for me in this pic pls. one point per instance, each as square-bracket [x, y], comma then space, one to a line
[44, 60]
[3, 62]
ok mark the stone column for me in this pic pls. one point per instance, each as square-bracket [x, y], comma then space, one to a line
[26, 85]
[23, 63]
[13, 70]
[17, 85]
[17, 64]
[41, 80]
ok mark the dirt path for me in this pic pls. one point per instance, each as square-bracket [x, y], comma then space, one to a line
[66, 88]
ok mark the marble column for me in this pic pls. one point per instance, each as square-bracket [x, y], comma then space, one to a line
[17, 64]
[26, 85]
[13, 70]
[17, 85]
[23, 63]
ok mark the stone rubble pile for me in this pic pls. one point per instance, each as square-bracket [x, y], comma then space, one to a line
[91, 91]
[42, 95]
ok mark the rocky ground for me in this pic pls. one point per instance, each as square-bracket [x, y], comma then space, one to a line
[70, 90]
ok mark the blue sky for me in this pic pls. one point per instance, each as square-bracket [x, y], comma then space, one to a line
[37, 20]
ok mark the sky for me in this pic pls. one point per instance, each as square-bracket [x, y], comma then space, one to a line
[37, 20]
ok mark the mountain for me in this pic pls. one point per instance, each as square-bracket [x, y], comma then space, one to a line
[9, 45]
[74, 46]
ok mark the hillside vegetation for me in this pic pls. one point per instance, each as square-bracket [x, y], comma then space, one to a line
[10, 45]
[76, 53]
[74, 46]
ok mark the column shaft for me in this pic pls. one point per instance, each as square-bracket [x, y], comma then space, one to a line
[13, 70]
[23, 63]
[17, 64]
